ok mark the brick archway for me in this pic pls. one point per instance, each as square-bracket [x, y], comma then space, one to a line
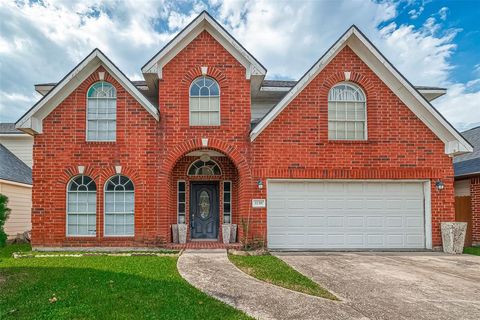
[245, 181]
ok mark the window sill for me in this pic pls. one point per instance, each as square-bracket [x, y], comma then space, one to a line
[348, 141]
[100, 142]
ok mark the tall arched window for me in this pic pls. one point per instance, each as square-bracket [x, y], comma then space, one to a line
[346, 113]
[101, 112]
[81, 206]
[204, 102]
[119, 206]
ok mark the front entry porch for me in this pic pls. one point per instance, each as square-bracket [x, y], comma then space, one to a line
[204, 202]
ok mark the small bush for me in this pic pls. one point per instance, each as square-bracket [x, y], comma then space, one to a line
[4, 211]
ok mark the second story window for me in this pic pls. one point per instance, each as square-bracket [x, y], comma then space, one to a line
[101, 112]
[204, 102]
[347, 116]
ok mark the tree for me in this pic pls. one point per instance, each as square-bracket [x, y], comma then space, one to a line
[4, 212]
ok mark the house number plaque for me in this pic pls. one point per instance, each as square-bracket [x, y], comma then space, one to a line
[258, 203]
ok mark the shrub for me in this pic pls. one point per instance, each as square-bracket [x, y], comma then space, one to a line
[4, 211]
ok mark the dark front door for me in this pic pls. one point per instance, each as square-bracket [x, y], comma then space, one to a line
[204, 210]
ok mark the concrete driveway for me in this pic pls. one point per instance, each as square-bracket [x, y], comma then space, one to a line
[397, 285]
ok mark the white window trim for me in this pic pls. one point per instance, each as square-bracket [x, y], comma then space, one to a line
[350, 83]
[219, 104]
[86, 113]
[66, 211]
[105, 213]
[178, 202]
[231, 201]
[202, 175]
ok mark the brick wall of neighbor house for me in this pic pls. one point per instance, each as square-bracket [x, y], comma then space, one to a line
[399, 145]
[61, 148]
[475, 194]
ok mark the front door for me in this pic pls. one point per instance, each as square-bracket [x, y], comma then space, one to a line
[204, 215]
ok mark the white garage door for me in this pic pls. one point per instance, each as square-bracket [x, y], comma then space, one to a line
[345, 215]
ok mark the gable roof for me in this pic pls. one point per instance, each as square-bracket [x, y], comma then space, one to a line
[31, 121]
[408, 94]
[204, 21]
[469, 164]
[12, 168]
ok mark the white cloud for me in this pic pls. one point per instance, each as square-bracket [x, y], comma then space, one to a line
[443, 13]
[461, 104]
[42, 41]
[415, 13]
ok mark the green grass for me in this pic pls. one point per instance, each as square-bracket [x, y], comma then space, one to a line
[472, 250]
[273, 270]
[101, 287]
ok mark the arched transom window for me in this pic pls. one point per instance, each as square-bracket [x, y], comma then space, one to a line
[119, 206]
[81, 206]
[204, 168]
[346, 113]
[204, 102]
[101, 112]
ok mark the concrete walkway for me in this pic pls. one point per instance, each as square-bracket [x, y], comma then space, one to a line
[212, 272]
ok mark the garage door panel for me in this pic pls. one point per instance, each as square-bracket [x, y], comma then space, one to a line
[355, 222]
[352, 215]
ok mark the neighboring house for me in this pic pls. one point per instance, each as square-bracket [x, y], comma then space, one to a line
[18, 142]
[16, 184]
[351, 156]
[467, 187]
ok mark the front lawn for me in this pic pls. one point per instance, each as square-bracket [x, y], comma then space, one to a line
[101, 287]
[273, 270]
[472, 250]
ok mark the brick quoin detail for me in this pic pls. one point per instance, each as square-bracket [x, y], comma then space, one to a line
[295, 145]
[475, 196]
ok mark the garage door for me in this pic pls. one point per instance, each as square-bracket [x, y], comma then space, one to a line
[345, 215]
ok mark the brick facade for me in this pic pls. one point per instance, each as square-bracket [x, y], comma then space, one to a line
[475, 194]
[294, 145]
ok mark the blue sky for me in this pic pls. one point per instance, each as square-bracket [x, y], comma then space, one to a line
[432, 43]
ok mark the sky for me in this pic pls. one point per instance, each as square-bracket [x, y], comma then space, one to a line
[432, 43]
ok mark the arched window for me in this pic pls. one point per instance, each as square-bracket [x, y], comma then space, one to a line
[346, 113]
[204, 102]
[101, 112]
[81, 206]
[204, 168]
[119, 206]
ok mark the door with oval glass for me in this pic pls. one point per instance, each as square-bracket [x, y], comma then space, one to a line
[204, 213]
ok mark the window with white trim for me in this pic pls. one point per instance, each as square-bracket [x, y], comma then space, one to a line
[204, 168]
[101, 112]
[81, 206]
[119, 206]
[204, 102]
[181, 201]
[227, 201]
[347, 116]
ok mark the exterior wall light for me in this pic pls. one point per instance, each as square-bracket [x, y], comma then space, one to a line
[439, 185]
[260, 184]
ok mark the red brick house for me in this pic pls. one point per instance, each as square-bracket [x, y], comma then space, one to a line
[351, 156]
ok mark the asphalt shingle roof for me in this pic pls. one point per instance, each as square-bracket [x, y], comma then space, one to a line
[9, 128]
[12, 168]
[468, 164]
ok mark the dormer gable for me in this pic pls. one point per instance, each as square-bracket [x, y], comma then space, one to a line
[254, 70]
